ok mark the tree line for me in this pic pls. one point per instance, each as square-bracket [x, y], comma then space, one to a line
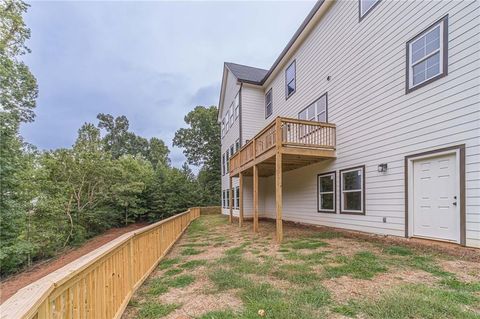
[110, 176]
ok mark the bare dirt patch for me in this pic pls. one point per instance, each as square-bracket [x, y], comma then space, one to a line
[465, 270]
[9, 286]
[345, 288]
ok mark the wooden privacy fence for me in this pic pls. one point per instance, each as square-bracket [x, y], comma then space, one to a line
[99, 284]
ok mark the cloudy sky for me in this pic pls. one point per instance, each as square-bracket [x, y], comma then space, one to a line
[150, 61]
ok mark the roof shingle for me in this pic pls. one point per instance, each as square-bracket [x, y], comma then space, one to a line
[246, 73]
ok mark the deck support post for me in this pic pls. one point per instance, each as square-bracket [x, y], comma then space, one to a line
[255, 198]
[240, 215]
[230, 217]
[278, 179]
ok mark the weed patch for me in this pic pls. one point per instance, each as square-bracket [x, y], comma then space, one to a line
[173, 271]
[167, 263]
[304, 244]
[157, 286]
[154, 310]
[190, 252]
[426, 263]
[363, 265]
[180, 281]
[225, 279]
[225, 314]
[193, 264]
[316, 297]
[398, 250]
[420, 301]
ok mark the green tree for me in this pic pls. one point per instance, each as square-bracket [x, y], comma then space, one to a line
[131, 177]
[18, 91]
[172, 191]
[158, 152]
[201, 145]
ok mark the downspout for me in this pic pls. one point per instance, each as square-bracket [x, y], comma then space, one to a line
[240, 116]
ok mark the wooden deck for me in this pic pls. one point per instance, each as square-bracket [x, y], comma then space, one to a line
[301, 143]
[283, 145]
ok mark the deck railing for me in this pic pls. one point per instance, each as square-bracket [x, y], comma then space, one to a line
[294, 133]
[99, 284]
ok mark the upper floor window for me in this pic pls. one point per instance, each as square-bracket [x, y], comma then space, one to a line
[268, 104]
[317, 111]
[237, 105]
[237, 145]
[223, 164]
[365, 6]
[427, 55]
[290, 79]
[227, 123]
[232, 119]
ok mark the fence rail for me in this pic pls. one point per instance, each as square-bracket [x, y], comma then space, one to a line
[99, 284]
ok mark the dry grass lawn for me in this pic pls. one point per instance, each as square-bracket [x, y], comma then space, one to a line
[219, 271]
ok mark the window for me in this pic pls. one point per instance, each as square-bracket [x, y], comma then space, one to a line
[223, 164]
[227, 158]
[290, 79]
[326, 185]
[227, 126]
[365, 6]
[232, 119]
[232, 150]
[223, 198]
[268, 104]
[427, 55]
[223, 127]
[228, 198]
[237, 145]
[237, 105]
[352, 187]
[317, 111]
[237, 197]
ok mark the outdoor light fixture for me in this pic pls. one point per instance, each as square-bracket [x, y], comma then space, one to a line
[382, 168]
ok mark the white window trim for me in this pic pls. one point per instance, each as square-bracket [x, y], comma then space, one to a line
[319, 208]
[362, 191]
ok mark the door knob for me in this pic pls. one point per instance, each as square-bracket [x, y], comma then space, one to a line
[454, 203]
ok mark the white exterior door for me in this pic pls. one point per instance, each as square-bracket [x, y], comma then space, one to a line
[436, 212]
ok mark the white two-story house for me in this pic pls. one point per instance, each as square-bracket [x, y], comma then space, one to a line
[369, 120]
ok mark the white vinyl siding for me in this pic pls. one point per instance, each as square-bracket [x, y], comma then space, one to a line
[232, 97]
[376, 121]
